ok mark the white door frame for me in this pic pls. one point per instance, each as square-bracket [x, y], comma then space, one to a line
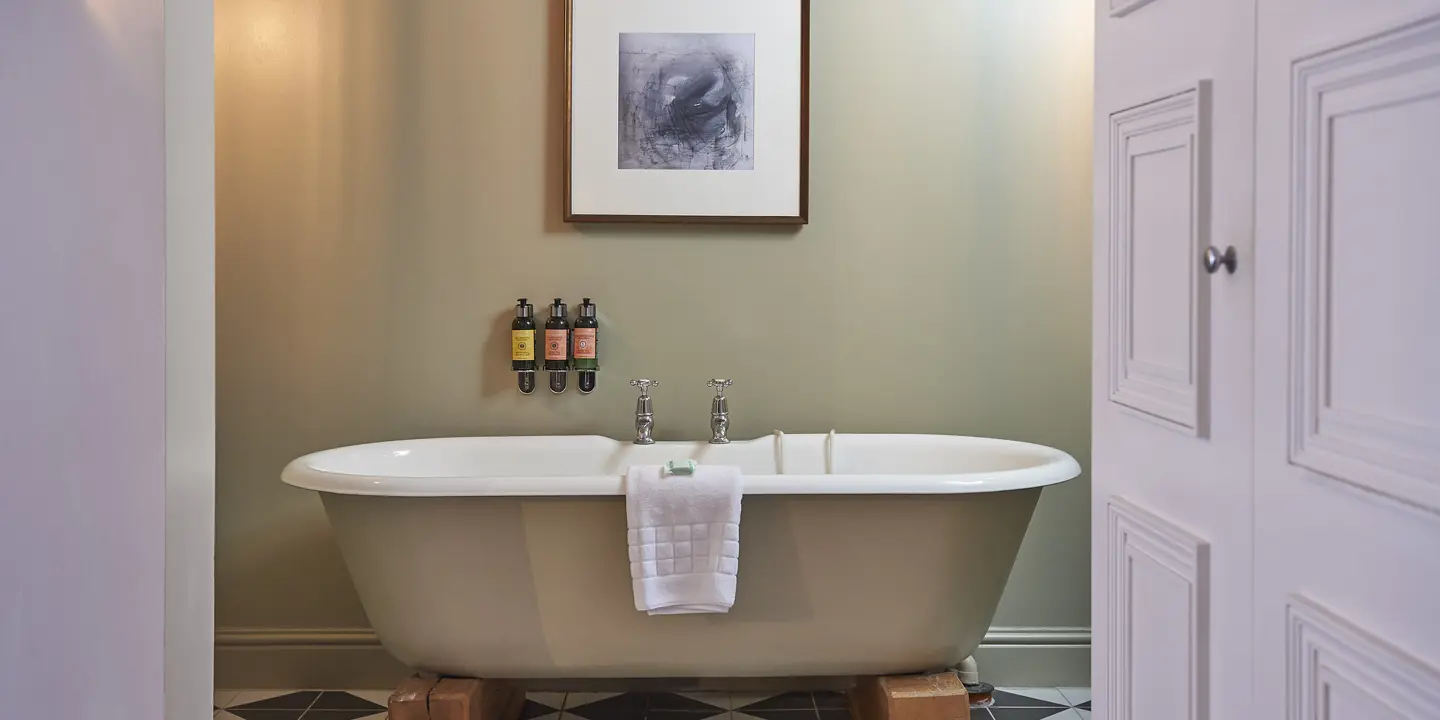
[189, 358]
[107, 361]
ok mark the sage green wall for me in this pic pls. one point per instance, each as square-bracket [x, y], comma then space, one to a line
[389, 182]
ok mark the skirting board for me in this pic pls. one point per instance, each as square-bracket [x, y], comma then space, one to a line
[1035, 657]
[282, 658]
[353, 658]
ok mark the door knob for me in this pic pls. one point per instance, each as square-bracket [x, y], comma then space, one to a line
[1214, 260]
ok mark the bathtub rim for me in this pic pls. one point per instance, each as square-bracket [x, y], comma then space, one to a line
[1058, 467]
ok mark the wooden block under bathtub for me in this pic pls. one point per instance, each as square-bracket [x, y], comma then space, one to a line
[472, 699]
[911, 697]
[411, 699]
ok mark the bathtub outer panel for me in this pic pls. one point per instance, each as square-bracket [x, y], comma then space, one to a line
[540, 587]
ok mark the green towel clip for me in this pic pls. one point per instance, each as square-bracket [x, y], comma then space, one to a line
[683, 467]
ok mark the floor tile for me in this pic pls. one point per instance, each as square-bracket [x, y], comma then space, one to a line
[623, 706]
[261, 714]
[835, 714]
[274, 699]
[532, 709]
[830, 699]
[715, 699]
[782, 701]
[225, 698]
[1076, 695]
[379, 697]
[677, 703]
[548, 699]
[1032, 713]
[1084, 714]
[340, 700]
[740, 700]
[573, 700]
[716, 713]
[1029, 697]
[980, 713]
[341, 715]
[774, 714]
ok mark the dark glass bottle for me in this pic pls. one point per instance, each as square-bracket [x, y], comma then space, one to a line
[557, 345]
[585, 348]
[522, 346]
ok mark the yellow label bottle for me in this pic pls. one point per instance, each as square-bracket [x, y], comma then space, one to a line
[522, 347]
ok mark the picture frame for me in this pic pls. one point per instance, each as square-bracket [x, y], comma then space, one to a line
[691, 111]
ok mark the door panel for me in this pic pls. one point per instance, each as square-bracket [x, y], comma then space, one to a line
[1158, 226]
[1366, 170]
[1336, 671]
[1172, 408]
[1347, 343]
[1157, 600]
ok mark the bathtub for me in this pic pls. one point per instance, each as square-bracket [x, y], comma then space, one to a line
[505, 557]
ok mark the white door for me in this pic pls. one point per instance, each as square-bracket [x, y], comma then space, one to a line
[1347, 342]
[1173, 404]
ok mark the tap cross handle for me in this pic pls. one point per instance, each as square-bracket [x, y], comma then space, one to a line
[644, 386]
[719, 384]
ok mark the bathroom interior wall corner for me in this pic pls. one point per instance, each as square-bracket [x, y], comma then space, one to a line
[388, 182]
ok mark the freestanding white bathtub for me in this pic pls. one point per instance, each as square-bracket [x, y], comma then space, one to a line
[505, 557]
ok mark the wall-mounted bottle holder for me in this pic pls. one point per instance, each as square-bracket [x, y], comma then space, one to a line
[559, 348]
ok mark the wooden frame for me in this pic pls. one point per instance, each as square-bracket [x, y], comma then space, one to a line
[804, 206]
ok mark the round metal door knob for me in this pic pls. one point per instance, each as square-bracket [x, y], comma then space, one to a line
[1214, 260]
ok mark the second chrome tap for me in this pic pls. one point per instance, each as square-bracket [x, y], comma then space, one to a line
[644, 412]
[719, 411]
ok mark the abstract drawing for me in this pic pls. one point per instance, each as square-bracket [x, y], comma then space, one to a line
[687, 101]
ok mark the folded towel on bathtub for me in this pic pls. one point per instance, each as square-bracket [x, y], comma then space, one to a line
[684, 535]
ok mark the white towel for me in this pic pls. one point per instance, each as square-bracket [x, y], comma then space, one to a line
[684, 538]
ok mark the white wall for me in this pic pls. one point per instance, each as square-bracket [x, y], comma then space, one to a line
[84, 363]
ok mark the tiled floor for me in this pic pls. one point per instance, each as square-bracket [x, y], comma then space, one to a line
[1010, 704]
[294, 704]
[1070, 703]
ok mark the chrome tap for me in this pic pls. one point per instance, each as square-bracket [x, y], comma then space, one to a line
[644, 412]
[719, 411]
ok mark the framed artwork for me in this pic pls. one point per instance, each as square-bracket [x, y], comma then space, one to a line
[687, 111]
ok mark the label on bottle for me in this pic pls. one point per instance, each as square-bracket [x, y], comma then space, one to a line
[584, 343]
[522, 345]
[555, 342]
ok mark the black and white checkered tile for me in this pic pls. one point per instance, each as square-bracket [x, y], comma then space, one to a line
[296, 704]
[1010, 704]
[686, 706]
[1070, 703]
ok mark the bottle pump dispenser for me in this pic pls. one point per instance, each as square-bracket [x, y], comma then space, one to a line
[557, 345]
[585, 347]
